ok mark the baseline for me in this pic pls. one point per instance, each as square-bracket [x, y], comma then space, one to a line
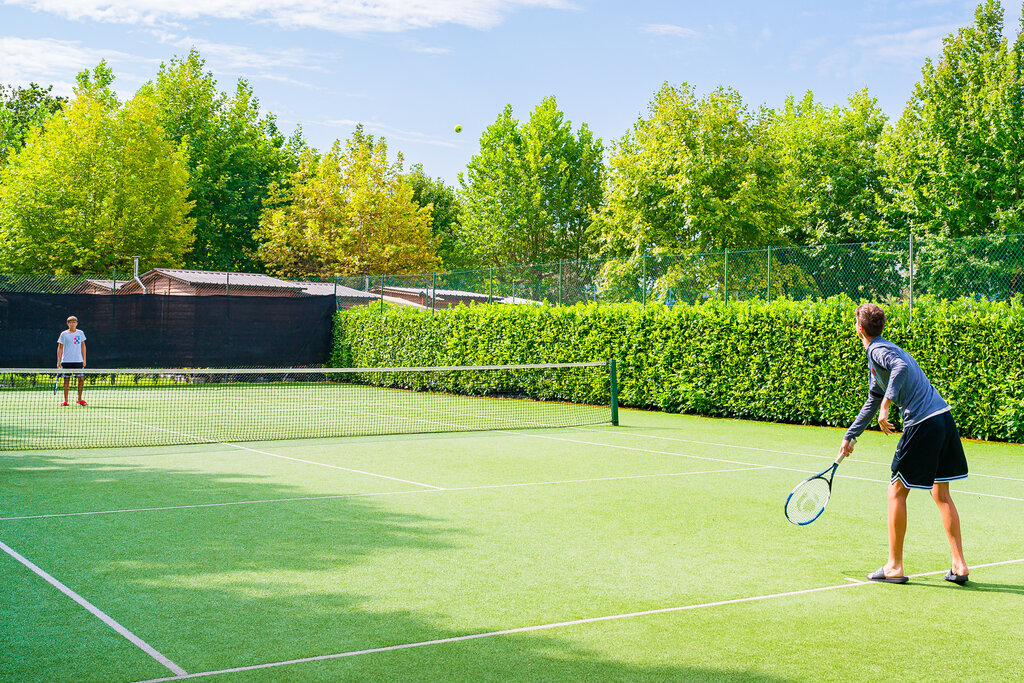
[545, 627]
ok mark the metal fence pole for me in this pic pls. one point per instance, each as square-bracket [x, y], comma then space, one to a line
[382, 293]
[490, 284]
[560, 281]
[911, 250]
[726, 289]
[227, 284]
[643, 280]
[433, 290]
[769, 274]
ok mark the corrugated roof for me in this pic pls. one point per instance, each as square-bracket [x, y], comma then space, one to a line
[440, 292]
[109, 284]
[328, 289]
[213, 277]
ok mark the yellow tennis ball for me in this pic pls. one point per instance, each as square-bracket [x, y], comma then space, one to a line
[458, 129]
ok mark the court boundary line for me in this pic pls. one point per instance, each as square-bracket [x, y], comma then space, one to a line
[96, 612]
[770, 450]
[553, 625]
[339, 496]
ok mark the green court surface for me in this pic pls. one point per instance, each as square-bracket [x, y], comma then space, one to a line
[652, 551]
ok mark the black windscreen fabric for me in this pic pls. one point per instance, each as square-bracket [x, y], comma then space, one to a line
[153, 331]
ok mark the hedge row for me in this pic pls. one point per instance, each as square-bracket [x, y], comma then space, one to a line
[782, 361]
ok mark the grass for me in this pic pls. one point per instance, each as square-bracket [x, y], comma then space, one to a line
[221, 557]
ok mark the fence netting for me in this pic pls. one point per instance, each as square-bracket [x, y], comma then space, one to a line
[984, 268]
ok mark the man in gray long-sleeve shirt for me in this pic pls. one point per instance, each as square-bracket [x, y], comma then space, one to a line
[929, 454]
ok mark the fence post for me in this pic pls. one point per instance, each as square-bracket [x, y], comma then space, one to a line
[769, 274]
[227, 284]
[490, 284]
[726, 290]
[911, 277]
[560, 281]
[382, 293]
[433, 290]
[643, 280]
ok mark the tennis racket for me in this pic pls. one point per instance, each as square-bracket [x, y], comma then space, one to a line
[807, 501]
[56, 381]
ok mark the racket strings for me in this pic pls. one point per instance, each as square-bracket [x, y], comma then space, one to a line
[807, 500]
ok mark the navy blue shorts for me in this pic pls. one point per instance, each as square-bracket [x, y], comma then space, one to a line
[71, 366]
[930, 453]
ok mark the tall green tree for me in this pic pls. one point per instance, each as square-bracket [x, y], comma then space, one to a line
[956, 157]
[234, 156]
[445, 212]
[694, 175]
[832, 169]
[531, 191]
[97, 184]
[348, 211]
[20, 110]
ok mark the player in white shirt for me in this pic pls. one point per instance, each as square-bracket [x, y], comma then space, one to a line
[71, 356]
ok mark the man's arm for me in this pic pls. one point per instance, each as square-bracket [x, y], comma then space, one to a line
[83, 354]
[898, 373]
[60, 353]
[883, 417]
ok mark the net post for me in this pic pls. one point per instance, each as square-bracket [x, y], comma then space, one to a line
[613, 385]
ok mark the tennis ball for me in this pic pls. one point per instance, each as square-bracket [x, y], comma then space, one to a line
[458, 129]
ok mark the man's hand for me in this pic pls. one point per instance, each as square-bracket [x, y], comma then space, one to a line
[847, 448]
[883, 418]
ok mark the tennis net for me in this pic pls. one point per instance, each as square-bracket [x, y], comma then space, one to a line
[154, 407]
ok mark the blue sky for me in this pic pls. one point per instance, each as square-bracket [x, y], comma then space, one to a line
[410, 70]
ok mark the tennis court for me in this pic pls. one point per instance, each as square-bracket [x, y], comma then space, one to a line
[652, 550]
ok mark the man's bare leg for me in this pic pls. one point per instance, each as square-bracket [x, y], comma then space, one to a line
[951, 522]
[897, 527]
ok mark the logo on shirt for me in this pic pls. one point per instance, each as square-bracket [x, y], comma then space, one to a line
[77, 339]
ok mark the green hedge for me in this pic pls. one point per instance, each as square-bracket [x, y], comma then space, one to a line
[783, 361]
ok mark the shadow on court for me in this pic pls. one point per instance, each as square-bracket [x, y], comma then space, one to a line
[235, 585]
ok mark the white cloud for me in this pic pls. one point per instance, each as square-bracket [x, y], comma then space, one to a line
[341, 16]
[671, 30]
[908, 46]
[390, 132]
[47, 61]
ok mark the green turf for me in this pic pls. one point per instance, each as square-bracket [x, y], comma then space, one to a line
[523, 529]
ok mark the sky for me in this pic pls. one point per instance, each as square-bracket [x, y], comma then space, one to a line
[411, 70]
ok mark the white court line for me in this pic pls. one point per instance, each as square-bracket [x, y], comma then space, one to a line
[95, 611]
[545, 627]
[371, 495]
[274, 455]
[766, 450]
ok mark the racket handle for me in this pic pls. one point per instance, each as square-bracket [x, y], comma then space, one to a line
[840, 458]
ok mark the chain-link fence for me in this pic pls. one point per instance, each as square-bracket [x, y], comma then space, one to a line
[988, 268]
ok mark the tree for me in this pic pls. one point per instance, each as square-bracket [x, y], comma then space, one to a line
[94, 186]
[346, 212]
[695, 175]
[445, 212]
[20, 110]
[234, 155]
[530, 193]
[832, 169]
[955, 159]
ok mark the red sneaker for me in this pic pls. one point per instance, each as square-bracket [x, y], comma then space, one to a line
[64, 404]
[81, 402]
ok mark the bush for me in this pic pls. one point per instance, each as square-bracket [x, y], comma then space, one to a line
[781, 361]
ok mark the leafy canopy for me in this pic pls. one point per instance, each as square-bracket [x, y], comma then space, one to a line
[347, 211]
[97, 184]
